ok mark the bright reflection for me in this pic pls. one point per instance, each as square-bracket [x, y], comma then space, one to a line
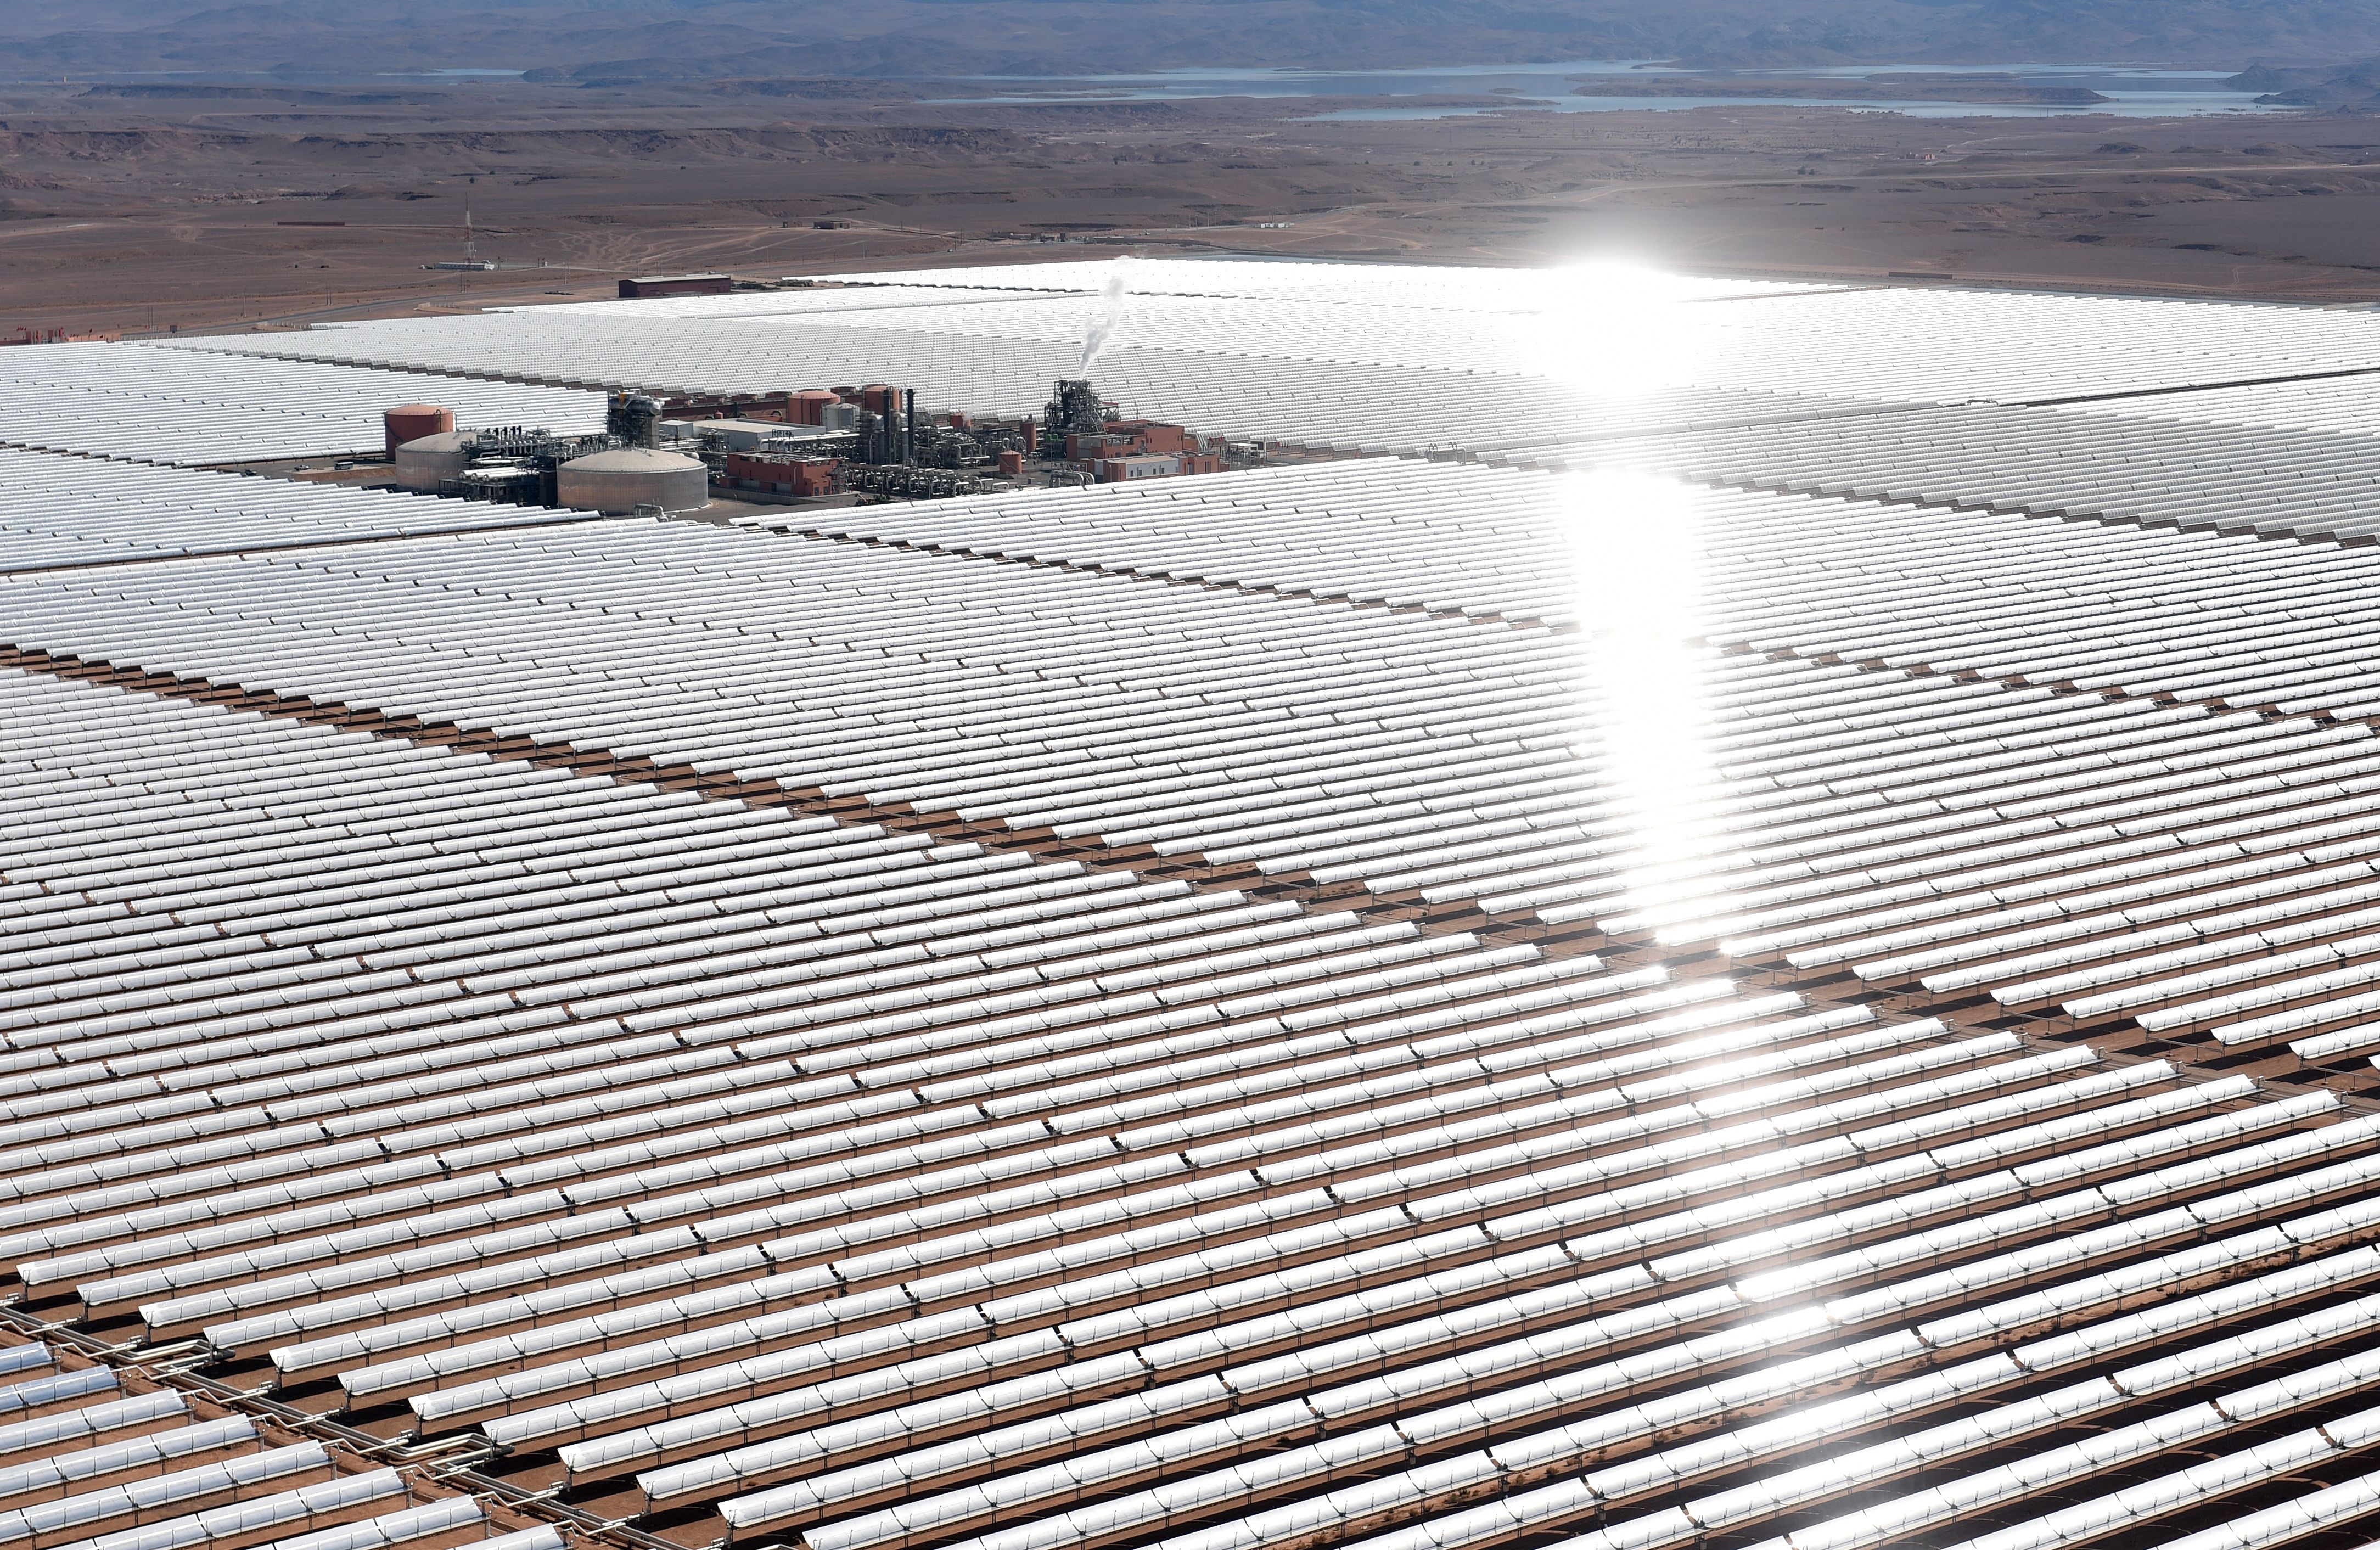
[1634, 549]
[1616, 331]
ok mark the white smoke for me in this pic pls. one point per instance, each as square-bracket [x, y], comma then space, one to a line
[1102, 328]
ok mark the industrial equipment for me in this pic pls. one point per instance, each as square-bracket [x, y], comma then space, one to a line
[1076, 408]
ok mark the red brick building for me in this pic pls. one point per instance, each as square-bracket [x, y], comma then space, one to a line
[781, 474]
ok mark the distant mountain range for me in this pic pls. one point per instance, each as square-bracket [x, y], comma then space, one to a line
[2357, 86]
[646, 40]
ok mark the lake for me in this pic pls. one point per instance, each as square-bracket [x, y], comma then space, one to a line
[2134, 91]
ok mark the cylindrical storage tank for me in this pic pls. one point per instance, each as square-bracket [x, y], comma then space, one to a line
[410, 422]
[428, 462]
[621, 481]
[809, 406]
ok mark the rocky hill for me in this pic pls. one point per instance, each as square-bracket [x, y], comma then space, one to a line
[2357, 86]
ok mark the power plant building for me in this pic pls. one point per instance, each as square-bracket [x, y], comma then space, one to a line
[676, 285]
[621, 481]
[1709, 916]
[1135, 465]
[426, 463]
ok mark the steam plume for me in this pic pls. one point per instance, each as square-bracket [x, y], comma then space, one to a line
[1102, 328]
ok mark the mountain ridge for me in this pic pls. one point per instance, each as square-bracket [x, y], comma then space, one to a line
[617, 40]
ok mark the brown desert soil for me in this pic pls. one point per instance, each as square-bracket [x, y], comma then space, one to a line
[130, 211]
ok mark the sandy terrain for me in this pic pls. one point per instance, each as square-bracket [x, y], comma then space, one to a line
[120, 210]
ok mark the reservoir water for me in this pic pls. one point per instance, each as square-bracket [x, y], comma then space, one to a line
[2132, 92]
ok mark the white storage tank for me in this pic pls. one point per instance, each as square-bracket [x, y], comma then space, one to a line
[621, 481]
[427, 461]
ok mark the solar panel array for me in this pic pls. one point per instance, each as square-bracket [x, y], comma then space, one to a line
[1339, 356]
[73, 513]
[2157, 472]
[1437, 287]
[1393, 404]
[96, 1460]
[150, 403]
[1468, 539]
[1380, 1002]
[2219, 683]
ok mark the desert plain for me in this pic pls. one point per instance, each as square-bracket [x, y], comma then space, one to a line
[147, 208]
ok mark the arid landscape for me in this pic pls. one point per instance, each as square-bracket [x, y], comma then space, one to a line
[133, 209]
[170, 168]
